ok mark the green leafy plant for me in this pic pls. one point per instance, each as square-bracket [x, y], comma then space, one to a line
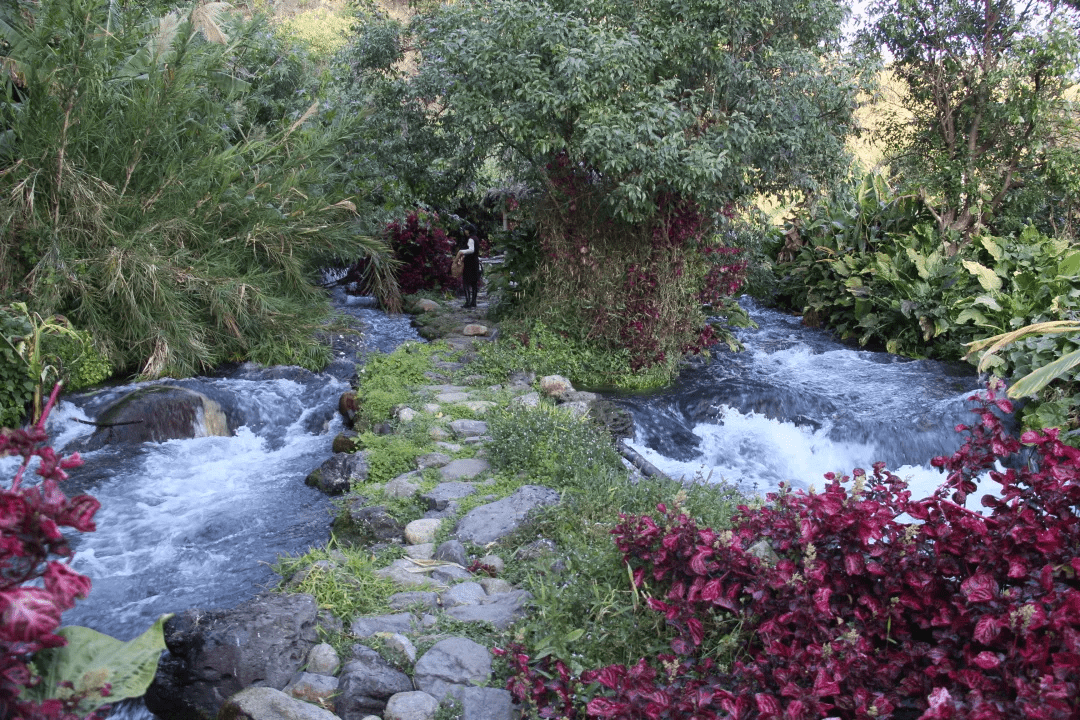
[201, 251]
[90, 660]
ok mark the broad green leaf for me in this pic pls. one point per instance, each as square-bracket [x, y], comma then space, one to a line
[1069, 265]
[988, 301]
[91, 659]
[920, 263]
[987, 278]
[1033, 382]
[991, 247]
[971, 314]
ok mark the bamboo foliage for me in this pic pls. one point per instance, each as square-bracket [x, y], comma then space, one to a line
[130, 204]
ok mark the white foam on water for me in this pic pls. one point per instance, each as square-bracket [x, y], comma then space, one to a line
[756, 454]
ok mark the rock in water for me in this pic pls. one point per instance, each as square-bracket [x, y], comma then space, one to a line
[158, 413]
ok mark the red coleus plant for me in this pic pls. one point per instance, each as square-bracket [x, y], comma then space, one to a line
[848, 611]
[35, 586]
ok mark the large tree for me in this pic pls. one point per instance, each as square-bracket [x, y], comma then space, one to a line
[640, 120]
[985, 111]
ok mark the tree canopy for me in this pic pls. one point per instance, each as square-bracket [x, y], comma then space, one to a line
[985, 112]
[712, 99]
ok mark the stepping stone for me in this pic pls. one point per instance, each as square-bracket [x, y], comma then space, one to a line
[496, 520]
[467, 468]
[479, 406]
[450, 398]
[444, 494]
[468, 428]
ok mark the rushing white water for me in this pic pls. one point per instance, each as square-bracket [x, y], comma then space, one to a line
[796, 404]
[199, 522]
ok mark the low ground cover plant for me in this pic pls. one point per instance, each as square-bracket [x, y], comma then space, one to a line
[848, 612]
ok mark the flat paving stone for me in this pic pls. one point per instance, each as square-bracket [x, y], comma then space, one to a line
[464, 469]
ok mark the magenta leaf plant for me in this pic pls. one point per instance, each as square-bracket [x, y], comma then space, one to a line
[37, 583]
[859, 602]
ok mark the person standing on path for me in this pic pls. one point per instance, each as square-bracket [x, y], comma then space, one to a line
[470, 275]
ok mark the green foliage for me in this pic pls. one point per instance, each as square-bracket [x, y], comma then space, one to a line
[46, 350]
[689, 98]
[342, 583]
[985, 128]
[16, 383]
[901, 290]
[91, 660]
[388, 380]
[550, 445]
[389, 455]
[545, 351]
[139, 200]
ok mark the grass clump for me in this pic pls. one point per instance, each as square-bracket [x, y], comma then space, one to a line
[389, 380]
[340, 578]
[544, 351]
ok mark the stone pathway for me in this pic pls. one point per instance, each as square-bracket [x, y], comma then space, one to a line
[219, 661]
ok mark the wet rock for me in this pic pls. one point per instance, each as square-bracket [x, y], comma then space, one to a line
[157, 413]
[344, 442]
[616, 419]
[336, 475]
[496, 520]
[215, 654]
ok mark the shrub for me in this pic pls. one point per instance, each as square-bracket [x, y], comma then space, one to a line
[850, 613]
[425, 252]
[550, 444]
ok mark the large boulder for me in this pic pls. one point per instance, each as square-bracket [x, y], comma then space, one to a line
[213, 654]
[157, 413]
